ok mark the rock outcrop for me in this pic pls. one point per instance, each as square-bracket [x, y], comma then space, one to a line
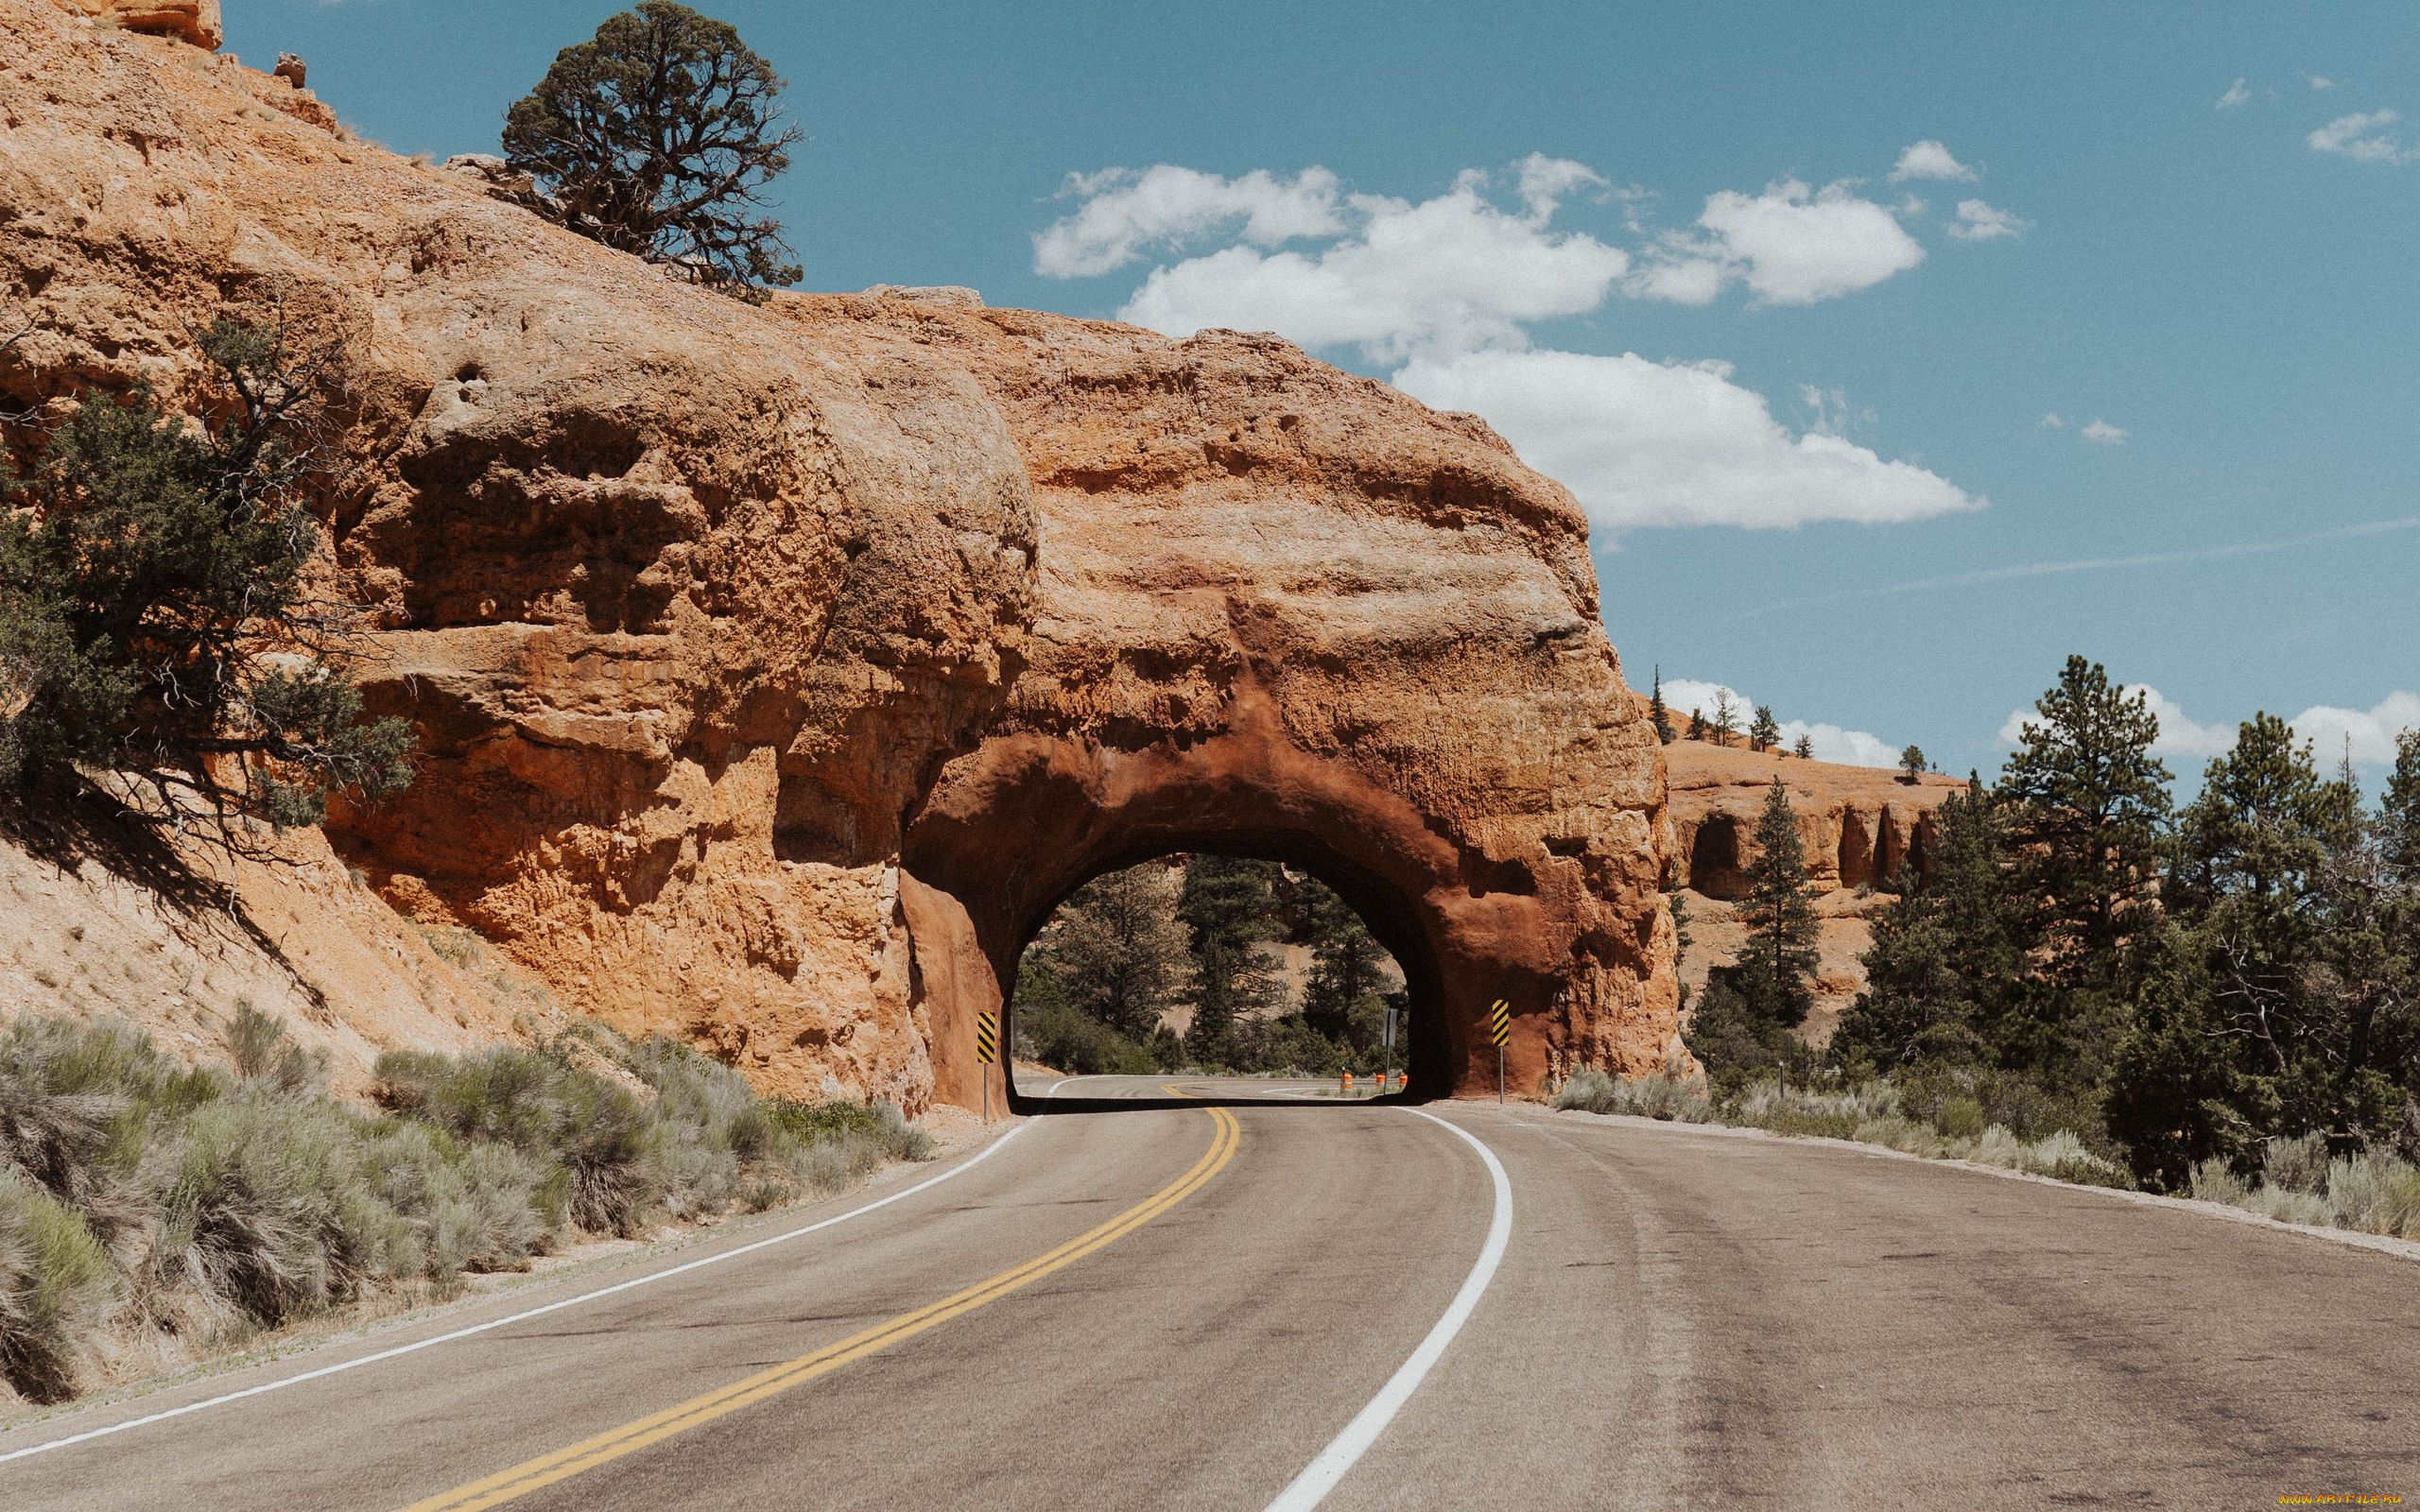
[1858, 824]
[780, 667]
[194, 23]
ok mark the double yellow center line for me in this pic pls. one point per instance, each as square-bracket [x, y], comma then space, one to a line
[506, 1486]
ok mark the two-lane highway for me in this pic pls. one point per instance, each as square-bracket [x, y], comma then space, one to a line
[1225, 1299]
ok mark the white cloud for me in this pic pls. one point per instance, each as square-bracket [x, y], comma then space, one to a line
[1127, 213]
[2237, 94]
[1455, 273]
[2101, 433]
[1978, 222]
[1930, 160]
[2319, 81]
[1798, 246]
[2367, 735]
[2054, 421]
[1646, 444]
[2362, 136]
[1830, 743]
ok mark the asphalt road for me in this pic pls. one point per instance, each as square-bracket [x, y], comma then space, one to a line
[1143, 1302]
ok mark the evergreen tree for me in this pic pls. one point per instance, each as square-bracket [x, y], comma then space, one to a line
[154, 619]
[1697, 725]
[1777, 963]
[1911, 761]
[2086, 802]
[1725, 723]
[1344, 966]
[1228, 904]
[1657, 715]
[1804, 747]
[1945, 958]
[1118, 949]
[657, 137]
[1764, 731]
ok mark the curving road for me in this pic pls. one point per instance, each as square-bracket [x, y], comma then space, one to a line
[1230, 1300]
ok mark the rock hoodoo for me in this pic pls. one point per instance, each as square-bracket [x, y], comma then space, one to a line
[780, 667]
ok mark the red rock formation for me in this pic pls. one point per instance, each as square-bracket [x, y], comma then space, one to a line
[1857, 823]
[780, 667]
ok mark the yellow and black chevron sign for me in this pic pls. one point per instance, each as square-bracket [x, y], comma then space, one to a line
[1499, 1022]
[987, 1038]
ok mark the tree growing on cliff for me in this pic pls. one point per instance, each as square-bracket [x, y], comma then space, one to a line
[657, 137]
[1804, 748]
[1697, 725]
[1764, 731]
[1913, 762]
[1657, 715]
[154, 621]
[1725, 723]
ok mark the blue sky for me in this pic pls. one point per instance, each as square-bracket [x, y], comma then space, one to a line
[1734, 314]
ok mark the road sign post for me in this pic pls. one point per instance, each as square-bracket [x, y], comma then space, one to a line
[1389, 1038]
[987, 1051]
[1499, 1028]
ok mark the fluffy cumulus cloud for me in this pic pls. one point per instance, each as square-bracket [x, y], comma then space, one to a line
[1652, 443]
[1830, 743]
[1978, 222]
[2100, 433]
[2365, 136]
[1930, 160]
[1456, 272]
[2367, 735]
[1127, 214]
[1792, 245]
[1446, 289]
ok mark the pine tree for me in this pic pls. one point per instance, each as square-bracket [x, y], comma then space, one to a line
[1804, 747]
[1118, 949]
[1229, 906]
[1657, 715]
[1697, 725]
[1945, 958]
[2086, 802]
[1777, 962]
[1764, 731]
[1911, 761]
[1344, 966]
[1726, 718]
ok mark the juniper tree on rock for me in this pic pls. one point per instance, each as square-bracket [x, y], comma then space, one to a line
[1697, 725]
[1804, 748]
[657, 137]
[155, 624]
[1911, 761]
[1764, 731]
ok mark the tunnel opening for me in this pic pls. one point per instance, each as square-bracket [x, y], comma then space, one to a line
[1219, 963]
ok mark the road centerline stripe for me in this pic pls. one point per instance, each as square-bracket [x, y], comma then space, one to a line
[531, 1475]
[1319, 1477]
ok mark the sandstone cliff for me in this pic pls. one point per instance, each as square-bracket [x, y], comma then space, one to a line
[1858, 824]
[779, 668]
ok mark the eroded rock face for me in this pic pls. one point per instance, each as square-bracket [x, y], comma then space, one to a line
[194, 22]
[1858, 824]
[779, 668]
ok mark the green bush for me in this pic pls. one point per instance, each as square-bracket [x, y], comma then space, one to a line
[2297, 1164]
[55, 1282]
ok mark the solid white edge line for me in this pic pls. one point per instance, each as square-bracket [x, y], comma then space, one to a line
[652, 1277]
[1323, 1474]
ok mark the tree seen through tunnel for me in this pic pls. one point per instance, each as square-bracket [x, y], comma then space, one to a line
[1207, 962]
